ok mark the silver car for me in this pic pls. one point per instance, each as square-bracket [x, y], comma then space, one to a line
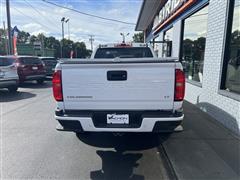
[8, 73]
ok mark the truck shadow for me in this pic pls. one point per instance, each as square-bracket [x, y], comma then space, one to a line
[117, 163]
[6, 96]
[126, 142]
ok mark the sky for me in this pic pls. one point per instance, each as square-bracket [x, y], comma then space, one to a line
[36, 16]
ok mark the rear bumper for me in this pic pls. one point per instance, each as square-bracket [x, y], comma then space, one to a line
[35, 77]
[8, 83]
[146, 124]
[32, 77]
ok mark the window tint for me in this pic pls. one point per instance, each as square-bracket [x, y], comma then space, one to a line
[232, 58]
[193, 45]
[167, 47]
[132, 52]
[30, 60]
[49, 59]
[156, 45]
[6, 61]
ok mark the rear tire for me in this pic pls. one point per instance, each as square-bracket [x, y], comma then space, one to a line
[40, 81]
[13, 89]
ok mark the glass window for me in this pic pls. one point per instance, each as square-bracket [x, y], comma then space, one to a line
[155, 45]
[232, 58]
[167, 46]
[193, 44]
[30, 60]
[49, 61]
[132, 52]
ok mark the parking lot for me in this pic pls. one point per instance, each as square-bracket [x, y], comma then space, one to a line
[32, 148]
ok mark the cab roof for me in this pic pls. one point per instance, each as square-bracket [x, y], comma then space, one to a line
[123, 45]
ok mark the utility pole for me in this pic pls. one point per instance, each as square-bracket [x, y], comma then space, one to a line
[91, 41]
[5, 38]
[10, 49]
[123, 35]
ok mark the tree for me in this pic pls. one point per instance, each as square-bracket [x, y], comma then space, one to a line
[23, 37]
[80, 50]
[33, 39]
[138, 37]
[2, 42]
[51, 42]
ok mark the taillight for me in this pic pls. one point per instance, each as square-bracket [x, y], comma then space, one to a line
[179, 85]
[57, 85]
[19, 65]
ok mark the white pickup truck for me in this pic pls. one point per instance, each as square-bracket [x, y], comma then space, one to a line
[121, 88]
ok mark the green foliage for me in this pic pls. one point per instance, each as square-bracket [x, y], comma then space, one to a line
[23, 37]
[79, 48]
[138, 37]
[2, 43]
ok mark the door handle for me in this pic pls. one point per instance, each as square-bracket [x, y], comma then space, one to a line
[117, 75]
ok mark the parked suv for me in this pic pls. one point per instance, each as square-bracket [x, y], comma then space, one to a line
[50, 63]
[8, 73]
[30, 68]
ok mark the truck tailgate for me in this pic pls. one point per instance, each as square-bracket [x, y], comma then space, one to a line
[118, 86]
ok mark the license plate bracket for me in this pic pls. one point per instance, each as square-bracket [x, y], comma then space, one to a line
[117, 118]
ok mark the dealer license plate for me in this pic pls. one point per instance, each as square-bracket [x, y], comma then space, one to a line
[117, 118]
[34, 68]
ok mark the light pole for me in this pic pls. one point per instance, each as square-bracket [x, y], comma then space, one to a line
[63, 20]
[124, 36]
[67, 21]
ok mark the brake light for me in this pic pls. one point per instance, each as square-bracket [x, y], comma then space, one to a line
[179, 85]
[57, 85]
[19, 65]
[123, 45]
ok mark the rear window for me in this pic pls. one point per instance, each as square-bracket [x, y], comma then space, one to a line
[130, 52]
[30, 60]
[49, 59]
[6, 61]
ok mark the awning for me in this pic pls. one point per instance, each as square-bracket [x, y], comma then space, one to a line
[147, 13]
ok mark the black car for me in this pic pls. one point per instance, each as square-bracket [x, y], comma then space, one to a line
[50, 63]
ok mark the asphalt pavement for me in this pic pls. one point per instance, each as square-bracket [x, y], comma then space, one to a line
[32, 148]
